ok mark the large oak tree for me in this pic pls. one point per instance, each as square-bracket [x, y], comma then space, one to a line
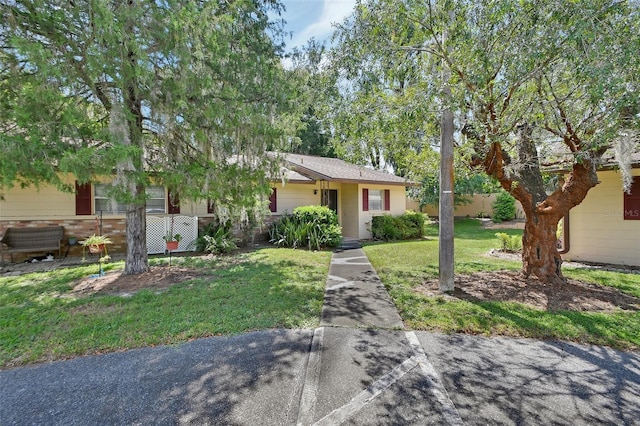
[526, 77]
[183, 93]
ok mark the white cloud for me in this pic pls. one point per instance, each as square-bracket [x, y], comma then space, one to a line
[333, 11]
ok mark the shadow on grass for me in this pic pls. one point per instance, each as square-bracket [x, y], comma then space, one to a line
[618, 330]
[38, 322]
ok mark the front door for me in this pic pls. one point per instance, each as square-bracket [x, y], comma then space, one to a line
[330, 199]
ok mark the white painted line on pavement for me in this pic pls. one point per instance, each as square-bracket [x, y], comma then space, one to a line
[310, 387]
[346, 284]
[349, 260]
[341, 283]
[341, 414]
[437, 388]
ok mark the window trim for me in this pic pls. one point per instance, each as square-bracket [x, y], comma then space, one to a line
[631, 202]
[94, 197]
[373, 206]
[273, 201]
[385, 202]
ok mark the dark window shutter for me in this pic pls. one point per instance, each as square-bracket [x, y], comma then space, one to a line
[174, 203]
[387, 200]
[365, 200]
[273, 201]
[210, 208]
[632, 201]
[83, 199]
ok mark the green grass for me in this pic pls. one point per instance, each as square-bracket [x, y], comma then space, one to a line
[42, 320]
[403, 266]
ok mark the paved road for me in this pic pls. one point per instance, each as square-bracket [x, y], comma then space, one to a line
[358, 368]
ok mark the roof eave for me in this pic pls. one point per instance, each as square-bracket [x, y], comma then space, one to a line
[604, 167]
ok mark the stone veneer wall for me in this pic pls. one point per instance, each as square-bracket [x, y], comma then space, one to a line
[79, 228]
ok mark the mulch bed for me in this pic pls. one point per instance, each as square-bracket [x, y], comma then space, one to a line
[509, 286]
[157, 279]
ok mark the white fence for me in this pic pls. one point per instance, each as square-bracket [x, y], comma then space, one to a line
[159, 226]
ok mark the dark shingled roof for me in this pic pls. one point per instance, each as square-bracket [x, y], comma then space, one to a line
[334, 169]
[559, 159]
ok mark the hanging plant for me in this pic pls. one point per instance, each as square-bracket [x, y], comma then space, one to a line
[96, 244]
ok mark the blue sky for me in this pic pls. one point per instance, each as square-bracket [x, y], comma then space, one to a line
[313, 18]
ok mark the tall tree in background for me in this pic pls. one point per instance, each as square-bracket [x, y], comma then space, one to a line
[526, 77]
[309, 77]
[381, 113]
[155, 91]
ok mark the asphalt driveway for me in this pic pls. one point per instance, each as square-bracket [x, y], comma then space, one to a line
[332, 376]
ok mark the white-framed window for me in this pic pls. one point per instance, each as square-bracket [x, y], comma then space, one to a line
[376, 199]
[156, 200]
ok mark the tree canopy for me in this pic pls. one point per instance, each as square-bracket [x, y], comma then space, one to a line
[183, 93]
[526, 78]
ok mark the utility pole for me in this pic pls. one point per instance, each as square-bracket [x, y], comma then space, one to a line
[445, 261]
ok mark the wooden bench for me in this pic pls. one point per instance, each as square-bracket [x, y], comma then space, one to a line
[26, 240]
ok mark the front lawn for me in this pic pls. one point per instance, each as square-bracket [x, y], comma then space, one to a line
[42, 319]
[404, 267]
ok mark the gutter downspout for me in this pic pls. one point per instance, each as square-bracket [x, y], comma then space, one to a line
[566, 246]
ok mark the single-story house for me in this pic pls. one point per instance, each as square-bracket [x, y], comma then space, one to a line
[356, 193]
[605, 227]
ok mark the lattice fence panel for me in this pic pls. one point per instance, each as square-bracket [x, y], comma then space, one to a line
[155, 232]
[187, 227]
[159, 226]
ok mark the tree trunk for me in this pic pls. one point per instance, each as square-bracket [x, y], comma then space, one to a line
[136, 261]
[540, 257]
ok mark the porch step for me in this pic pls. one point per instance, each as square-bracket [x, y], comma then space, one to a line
[349, 245]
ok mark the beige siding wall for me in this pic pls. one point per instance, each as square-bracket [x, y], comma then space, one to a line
[194, 208]
[598, 231]
[397, 206]
[480, 204]
[293, 195]
[350, 207]
[49, 204]
[31, 203]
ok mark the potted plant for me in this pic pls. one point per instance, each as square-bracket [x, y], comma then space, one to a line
[172, 240]
[97, 244]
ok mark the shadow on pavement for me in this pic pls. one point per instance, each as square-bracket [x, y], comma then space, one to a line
[517, 381]
[230, 380]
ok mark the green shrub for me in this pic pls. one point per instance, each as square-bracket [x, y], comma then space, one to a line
[216, 239]
[318, 214]
[385, 227]
[504, 208]
[407, 226]
[416, 221]
[221, 242]
[314, 227]
[510, 243]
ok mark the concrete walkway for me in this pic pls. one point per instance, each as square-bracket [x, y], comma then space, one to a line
[354, 295]
[360, 367]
